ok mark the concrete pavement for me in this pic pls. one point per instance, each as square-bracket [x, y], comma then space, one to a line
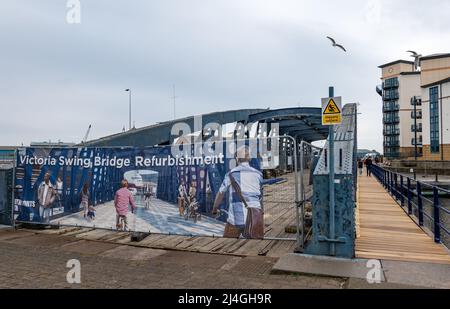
[29, 260]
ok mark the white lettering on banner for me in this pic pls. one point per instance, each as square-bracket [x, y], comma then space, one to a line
[139, 161]
[28, 204]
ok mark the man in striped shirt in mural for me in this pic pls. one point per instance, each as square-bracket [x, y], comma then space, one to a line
[245, 211]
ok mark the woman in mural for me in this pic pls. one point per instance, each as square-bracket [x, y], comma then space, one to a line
[122, 199]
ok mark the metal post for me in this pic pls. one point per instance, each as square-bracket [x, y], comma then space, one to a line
[437, 227]
[331, 179]
[297, 196]
[408, 182]
[129, 107]
[415, 129]
[419, 203]
[13, 184]
[392, 182]
[389, 181]
[402, 197]
[302, 194]
[129, 110]
[396, 187]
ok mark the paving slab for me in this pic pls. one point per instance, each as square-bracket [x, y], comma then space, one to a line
[40, 240]
[88, 247]
[323, 266]
[133, 253]
[12, 234]
[430, 275]
[355, 283]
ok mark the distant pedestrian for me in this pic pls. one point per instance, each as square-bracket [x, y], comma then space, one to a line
[360, 166]
[122, 199]
[369, 166]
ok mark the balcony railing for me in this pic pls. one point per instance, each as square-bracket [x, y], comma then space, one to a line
[390, 95]
[391, 144]
[395, 119]
[391, 131]
[390, 83]
[391, 107]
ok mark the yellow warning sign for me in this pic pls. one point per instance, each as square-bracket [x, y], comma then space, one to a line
[331, 111]
[331, 108]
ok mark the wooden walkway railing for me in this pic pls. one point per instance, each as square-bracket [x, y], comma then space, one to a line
[387, 232]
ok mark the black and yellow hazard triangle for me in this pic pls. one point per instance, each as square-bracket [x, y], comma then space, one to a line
[331, 108]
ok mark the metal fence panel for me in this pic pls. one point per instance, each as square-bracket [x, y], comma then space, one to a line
[6, 202]
[171, 197]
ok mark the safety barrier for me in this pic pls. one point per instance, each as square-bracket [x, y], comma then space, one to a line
[174, 192]
[427, 204]
[6, 196]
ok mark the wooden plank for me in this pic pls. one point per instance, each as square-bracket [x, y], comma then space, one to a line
[387, 232]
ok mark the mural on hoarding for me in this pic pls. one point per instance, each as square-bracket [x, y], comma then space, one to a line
[150, 189]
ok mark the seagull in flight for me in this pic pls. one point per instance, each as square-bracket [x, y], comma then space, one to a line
[416, 57]
[336, 45]
[413, 53]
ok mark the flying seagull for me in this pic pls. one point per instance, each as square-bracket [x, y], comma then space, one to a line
[336, 45]
[416, 57]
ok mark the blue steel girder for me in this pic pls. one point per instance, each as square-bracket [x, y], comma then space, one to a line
[292, 121]
[160, 134]
[305, 135]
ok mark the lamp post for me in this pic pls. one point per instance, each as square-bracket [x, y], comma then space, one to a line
[129, 108]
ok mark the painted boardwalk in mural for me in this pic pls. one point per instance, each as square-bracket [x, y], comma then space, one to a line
[159, 217]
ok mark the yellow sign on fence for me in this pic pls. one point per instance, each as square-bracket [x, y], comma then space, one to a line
[331, 111]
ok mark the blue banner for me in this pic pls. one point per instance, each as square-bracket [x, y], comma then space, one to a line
[145, 189]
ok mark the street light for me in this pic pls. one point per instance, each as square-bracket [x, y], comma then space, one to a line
[129, 108]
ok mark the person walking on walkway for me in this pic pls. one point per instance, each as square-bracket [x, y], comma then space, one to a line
[122, 199]
[369, 166]
[360, 166]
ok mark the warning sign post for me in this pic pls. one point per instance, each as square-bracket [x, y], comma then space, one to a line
[331, 111]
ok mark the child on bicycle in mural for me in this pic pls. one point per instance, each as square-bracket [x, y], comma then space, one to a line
[122, 199]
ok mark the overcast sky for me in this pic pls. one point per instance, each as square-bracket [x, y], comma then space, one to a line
[56, 78]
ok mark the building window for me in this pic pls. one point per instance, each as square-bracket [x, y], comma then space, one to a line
[434, 119]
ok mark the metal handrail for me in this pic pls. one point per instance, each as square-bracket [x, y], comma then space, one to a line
[405, 189]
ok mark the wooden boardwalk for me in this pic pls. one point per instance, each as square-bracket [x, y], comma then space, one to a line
[387, 232]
